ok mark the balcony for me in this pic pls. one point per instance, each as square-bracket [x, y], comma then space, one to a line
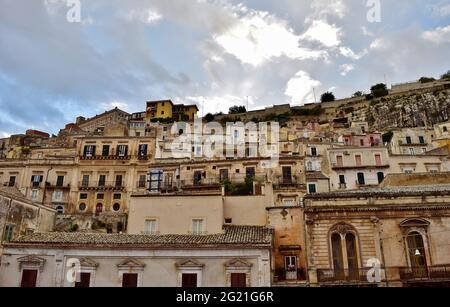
[201, 185]
[283, 275]
[283, 183]
[109, 157]
[57, 186]
[338, 166]
[342, 276]
[101, 186]
[425, 273]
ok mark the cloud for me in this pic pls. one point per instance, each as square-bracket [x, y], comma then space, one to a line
[441, 10]
[258, 37]
[349, 53]
[325, 7]
[438, 35]
[301, 88]
[321, 31]
[149, 16]
[346, 68]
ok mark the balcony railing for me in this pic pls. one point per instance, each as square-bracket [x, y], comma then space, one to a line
[50, 185]
[109, 157]
[104, 185]
[286, 182]
[335, 165]
[200, 182]
[347, 275]
[424, 273]
[281, 274]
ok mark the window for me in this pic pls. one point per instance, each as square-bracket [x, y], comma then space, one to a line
[117, 196]
[116, 207]
[142, 180]
[189, 280]
[129, 280]
[100, 196]
[380, 177]
[85, 182]
[358, 160]
[102, 180]
[361, 142]
[12, 181]
[361, 179]
[60, 181]
[119, 181]
[57, 196]
[34, 195]
[408, 140]
[238, 280]
[250, 172]
[378, 160]
[83, 196]
[309, 166]
[198, 175]
[105, 150]
[84, 282]
[412, 152]
[339, 161]
[342, 180]
[122, 150]
[416, 250]
[313, 151]
[421, 140]
[29, 278]
[342, 238]
[143, 150]
[82, 207]
[162, 112]
[312, 188]
[60, 209]
[197, 226]
[445, 129]
[89, 151]
[9, 233]
[151, 227]
[287, 174]
[223, 174]
[290, 263]
[229, 221]
[36, 180]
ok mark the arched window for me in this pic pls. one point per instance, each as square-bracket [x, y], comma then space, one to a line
[416, 249]
[344, 248]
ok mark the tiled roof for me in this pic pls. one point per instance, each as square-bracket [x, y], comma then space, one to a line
[443, 189]
[233, 235]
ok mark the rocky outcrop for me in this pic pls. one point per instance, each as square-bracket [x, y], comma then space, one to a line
[414, 109]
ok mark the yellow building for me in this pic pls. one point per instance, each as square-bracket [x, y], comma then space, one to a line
[165, 109]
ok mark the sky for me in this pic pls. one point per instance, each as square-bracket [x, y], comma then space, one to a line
[55, 66]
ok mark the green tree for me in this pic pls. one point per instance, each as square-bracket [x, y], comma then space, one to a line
[209, 117]
[358, 94]
[327, 97]
[237, 110]
[379, 90]
[446, 76]
[426, 80]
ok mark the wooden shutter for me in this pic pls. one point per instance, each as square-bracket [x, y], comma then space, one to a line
[189, 281]
[238, 280]
[29, 278]
[129, 280]
[85, 281]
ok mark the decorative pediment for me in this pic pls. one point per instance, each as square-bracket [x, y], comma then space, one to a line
[189, 263]
[88, 263]
[342, 228]
[31, 260]
[131, 263]
[415, 222]
[238, 264]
